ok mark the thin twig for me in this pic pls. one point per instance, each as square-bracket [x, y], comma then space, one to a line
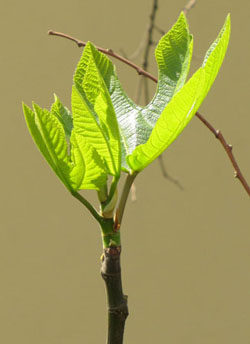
[157, 28]
[166, 174]
[123, 200]
[140, 71]
[143, 81]
[139, 49]
[145, 65]
[150, 35]
[188, 6]
[90, 208]
[108, 52]
[228, 148]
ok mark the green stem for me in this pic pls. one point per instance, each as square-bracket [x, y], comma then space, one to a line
[88, 206]
[107, 207]
[113, 188]
[110, 236]
[124, 196]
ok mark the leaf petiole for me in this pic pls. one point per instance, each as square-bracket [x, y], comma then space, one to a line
[124, 196]
[91, 209]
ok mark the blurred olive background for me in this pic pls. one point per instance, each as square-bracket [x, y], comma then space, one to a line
[185, 253]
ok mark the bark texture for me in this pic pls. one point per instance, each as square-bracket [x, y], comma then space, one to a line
[117, 301]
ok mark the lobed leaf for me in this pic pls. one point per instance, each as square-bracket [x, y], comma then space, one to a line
[173, 55]
[112, 132]
[183, 105]
[170, 124]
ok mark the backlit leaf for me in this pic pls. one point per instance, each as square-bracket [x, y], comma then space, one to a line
[91, 104]
[173, 55]
[88, 171]
[63, 115]
[86, 124]
[183, 105]
[49, 136]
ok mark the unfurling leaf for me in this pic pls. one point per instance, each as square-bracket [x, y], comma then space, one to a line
[84, 169]
[48, 134]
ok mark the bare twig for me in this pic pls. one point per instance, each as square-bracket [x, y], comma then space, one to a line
[188, 6]
[157, 28]
[139, 49]
[166, 174]
[145, 64]
[228, 148]
[143, 81]
[109, 52]
[140, 71]
[150, 35]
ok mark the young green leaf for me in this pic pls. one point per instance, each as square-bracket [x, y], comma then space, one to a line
[36, 135]
[86, 124]
[91, 102]
[63, 115]
[173, 56]
[171, 122]
[88, 170]
[215, 55]
[183, 105]
[49, 136]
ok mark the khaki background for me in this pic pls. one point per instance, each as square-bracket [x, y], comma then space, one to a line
[185, 253]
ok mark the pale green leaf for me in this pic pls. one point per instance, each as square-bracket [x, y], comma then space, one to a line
[94, 116]
[88, 170]
[173, 55]
[86, 124]
[215, 55]
[36, 135]
[49, 136]
[183, 105]
[63, 115]
[170, 124]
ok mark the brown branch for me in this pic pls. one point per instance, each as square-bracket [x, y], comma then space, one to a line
[145, 63]
[140, 71]
[228, 148]
[138, 50]
[188, 6]
[150, 35]
[157, 28]
[109, 52]
[117, 301]
[166, 174]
